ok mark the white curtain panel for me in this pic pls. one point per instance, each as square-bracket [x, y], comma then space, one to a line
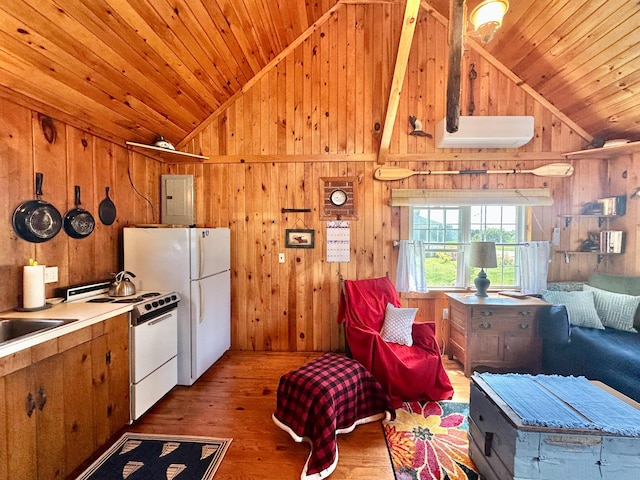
[534, 266]
[411, 276]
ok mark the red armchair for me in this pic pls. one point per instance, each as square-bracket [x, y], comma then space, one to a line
[407, 373]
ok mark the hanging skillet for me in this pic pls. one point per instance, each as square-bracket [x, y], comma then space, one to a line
[37, 221]
[78, 223]
[107, 210]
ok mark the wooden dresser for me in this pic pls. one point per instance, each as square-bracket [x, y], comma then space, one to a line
[497, 332]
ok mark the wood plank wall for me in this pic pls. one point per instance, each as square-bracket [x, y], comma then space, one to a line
[74, 158]
[317, 113]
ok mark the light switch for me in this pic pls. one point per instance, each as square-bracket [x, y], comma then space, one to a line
[50, 274]
[281, 258]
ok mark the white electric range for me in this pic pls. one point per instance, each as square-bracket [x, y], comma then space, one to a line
[153, 340]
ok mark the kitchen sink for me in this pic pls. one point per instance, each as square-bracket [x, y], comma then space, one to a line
[18, 328]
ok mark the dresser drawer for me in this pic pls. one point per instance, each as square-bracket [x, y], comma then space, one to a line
[499, 323]
[516, 313]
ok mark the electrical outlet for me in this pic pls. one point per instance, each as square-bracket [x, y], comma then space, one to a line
[281, 258]
[50, 274]
[445, 313]
[555, 240]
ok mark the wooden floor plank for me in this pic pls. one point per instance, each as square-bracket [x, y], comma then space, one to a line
[236, 397]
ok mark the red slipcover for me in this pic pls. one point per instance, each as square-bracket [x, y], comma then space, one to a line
[407, 373]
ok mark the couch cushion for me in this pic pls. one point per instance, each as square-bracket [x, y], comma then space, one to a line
[615, 283]
[618, 284]
[616, 310]
[580, 306]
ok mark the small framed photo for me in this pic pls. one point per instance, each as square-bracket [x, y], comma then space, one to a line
[299, 238]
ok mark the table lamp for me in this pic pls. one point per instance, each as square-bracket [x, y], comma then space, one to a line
[483, 255]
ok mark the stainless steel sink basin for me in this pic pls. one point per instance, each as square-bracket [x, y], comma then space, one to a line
[18, 328]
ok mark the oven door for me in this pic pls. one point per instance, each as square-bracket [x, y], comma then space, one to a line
[155, 342]
[154, 361]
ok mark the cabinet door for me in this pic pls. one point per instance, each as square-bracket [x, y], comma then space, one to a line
[486, 348]
[35, 422]
[522, 349]
[50, 418]
[78, 406]
[117, 329]
[21, 424]
[101, 408]
[4, 461]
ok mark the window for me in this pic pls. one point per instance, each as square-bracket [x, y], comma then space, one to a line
[448, 231]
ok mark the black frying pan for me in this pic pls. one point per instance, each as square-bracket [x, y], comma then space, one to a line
[78, 223]
[37, 221]
[107, 210]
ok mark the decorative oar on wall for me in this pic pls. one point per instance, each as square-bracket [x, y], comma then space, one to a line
[398, 173]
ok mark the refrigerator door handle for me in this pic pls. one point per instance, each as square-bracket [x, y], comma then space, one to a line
[201, 256]
[200, 303]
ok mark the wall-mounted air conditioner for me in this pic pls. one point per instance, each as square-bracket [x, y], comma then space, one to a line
[486, 132]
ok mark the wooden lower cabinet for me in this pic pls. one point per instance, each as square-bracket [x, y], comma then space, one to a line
[496, 332]
[35, 421]
[59, 410]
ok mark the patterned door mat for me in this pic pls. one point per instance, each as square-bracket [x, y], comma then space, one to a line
[138, 456]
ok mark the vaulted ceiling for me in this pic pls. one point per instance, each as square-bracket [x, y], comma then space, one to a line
[130, 69]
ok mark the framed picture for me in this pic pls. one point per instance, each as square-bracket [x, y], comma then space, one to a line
[299, 238]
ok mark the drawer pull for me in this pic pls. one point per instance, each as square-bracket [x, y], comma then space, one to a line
[524, 326]
[525, 313]
[486, 313]
[41, 398]
[488, 442]
[30, 404]
[485, 325]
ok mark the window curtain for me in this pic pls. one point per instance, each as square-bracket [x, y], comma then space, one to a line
[500, 196]
[534, 266]
[411, 276]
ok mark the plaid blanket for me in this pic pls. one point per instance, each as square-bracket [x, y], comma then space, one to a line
[331, 394]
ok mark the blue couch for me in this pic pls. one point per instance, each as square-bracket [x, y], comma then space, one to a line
[609, 355]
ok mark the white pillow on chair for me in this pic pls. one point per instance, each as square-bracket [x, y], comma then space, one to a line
[398, 325]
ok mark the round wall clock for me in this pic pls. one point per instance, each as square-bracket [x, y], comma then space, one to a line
[338, 197]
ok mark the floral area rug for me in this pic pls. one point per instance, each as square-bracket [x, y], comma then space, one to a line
[428, 441]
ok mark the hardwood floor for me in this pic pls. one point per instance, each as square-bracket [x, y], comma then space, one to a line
[236, 398]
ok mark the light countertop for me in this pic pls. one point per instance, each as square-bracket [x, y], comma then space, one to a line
[85, 314]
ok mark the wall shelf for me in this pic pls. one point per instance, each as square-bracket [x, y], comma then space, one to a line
[601, 218]
[604, 152]
[165, 154]
[567, 254]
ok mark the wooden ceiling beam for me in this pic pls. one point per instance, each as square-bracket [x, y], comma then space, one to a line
[454, 75]
[473, 45]
[404, 47]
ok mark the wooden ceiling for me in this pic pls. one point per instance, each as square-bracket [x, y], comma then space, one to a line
[132, 69]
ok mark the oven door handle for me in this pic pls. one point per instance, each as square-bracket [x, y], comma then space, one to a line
[159, 319]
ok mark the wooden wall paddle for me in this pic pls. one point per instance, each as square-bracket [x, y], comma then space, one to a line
[399, 173]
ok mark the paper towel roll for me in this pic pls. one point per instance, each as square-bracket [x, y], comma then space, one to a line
[33, 287]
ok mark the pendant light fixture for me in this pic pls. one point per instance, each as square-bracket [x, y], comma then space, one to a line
[486, 18]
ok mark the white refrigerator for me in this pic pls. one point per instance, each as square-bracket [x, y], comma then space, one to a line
[194, 262]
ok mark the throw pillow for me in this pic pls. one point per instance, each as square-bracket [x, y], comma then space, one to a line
[616, 310]
[580, 305]
[398, 323]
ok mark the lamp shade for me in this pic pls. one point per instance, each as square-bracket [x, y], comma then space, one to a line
[487, 18]
[483, 255]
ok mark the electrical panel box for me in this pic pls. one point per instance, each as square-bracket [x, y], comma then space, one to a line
[177, 200]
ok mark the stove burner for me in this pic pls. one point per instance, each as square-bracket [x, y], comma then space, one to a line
[149, 294]
[100, 300]
[129, 300]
